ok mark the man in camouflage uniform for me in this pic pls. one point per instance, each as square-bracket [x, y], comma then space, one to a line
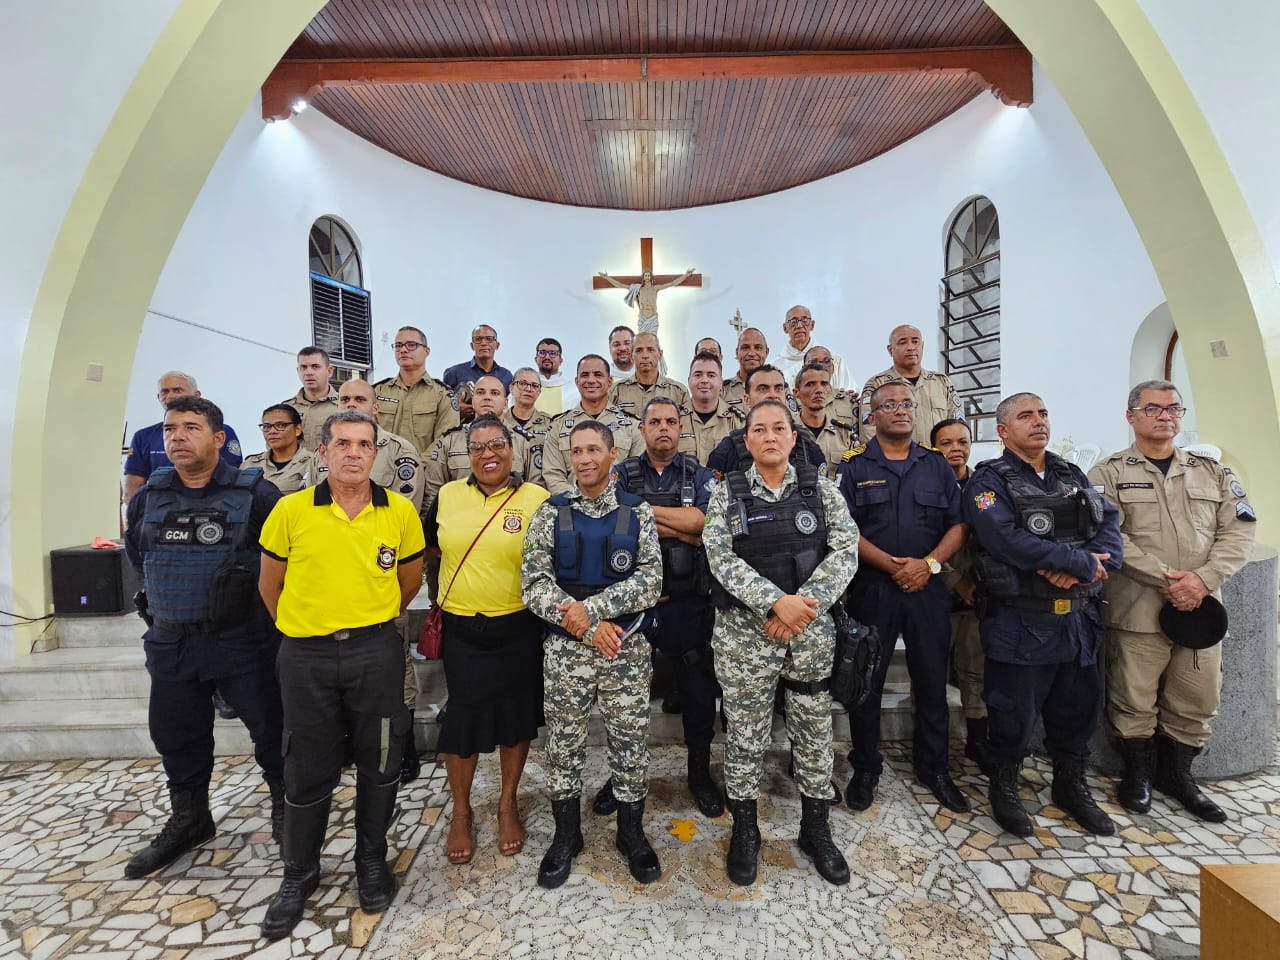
[833, 436]
[449, 459]
[412, 403]
[631, 394]
[935, 397]
[707, 419]
[777, 626]
[593, 382]
[1187, 528]
[592, 569]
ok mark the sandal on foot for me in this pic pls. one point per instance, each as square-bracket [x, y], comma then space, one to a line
[510, 840]
[455, 851]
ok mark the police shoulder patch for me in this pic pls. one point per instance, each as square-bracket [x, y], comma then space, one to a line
[854, 452]
[985, 500]
[1237, 488]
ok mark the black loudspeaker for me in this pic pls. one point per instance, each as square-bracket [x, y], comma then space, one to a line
[89, 581]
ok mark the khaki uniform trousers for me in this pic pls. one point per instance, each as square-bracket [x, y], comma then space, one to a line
[967, 652]
[1152, 682]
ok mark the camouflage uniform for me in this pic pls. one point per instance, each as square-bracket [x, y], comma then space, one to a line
[576, 675]
[557, 472]
[450, 459]
[698, 439]
[748, 663]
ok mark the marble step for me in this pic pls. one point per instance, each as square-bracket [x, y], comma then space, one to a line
[118, 630]
[71, 673]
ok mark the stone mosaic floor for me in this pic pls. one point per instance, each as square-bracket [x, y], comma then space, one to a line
[926, 883]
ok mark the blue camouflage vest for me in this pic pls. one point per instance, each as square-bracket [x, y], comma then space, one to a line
[187, 540]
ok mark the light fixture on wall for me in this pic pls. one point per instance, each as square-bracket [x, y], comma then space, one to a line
[298, 105]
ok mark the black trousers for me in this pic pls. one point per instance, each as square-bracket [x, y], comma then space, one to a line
[333, 689]
[184, 675]
[1067, 695]
[924, 621]
[683, 635]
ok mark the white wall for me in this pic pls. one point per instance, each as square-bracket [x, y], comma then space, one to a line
[68, 63]
[862, 249]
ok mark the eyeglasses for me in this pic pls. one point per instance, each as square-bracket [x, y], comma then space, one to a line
[526, 384]
[826, 363]
[275, 427]
[484, 339]
[407, 345]
[889, 406]
[548, 353]
[1153, 410]
[798, 321]
[496, 444]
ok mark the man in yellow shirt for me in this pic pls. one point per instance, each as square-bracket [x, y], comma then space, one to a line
[340, 561]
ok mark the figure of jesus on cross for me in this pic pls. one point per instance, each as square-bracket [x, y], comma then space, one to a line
[642, 291]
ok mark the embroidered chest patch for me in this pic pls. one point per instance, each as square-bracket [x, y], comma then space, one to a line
[985, 500]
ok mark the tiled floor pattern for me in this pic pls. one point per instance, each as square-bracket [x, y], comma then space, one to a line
[926, 884]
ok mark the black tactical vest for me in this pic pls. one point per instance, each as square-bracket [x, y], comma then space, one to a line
[1070, 514]
[684, 566]
[785, 541]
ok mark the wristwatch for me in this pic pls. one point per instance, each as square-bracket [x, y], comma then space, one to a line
[934, 566]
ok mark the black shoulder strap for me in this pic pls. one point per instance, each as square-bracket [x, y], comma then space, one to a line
[739, 488]
[623, 524]
[632, 475]
[739, 438]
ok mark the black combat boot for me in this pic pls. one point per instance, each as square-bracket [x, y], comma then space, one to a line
[605, 803]
[816, 842]
[225, 710]
[304, 828]
[634, 845]
[705, 793]
[1071, 793]
[565, 845]
[277, 810]
[375, 806]
[1006, 805]
[1134, 792]
[744, 843]
[410, 765]
[1173, 779]
[975, 743]
[190, 824]
[862, 789]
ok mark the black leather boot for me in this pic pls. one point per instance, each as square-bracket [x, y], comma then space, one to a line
[975, 743]
[1134, 792]
[277, 810]
[816, 842]
[190, 824]
[862, 789]
[225, 710]
[634, 845]
[410, 764]
[565, 845]
[375, 806]
[1071, 793]
[744, 843]
[605, 803]
[1006, 805]
[304, 828]
[1173, 779]
[705, 793]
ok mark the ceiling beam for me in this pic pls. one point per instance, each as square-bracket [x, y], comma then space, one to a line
[1004, 70]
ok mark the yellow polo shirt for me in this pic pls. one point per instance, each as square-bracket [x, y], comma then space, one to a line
[489, 581]
[342, 571]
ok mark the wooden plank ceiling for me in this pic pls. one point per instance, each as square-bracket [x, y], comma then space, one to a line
[654, 144]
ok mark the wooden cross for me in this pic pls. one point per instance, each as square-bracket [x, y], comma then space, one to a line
[646, 265]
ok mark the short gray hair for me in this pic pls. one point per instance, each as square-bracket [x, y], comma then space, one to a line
[1006, 405]
[345, 416]
[1136, 393]
[191, 381]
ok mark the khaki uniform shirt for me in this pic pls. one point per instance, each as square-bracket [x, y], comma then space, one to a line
[557, 471]
[733, 391]
[936, 399]
[1194, 518]
[698, 439]
[535, 434]
[450, 459]
[631, 395]
[843, 405]
[420, 413]
[397, 466]
[835, 438]
[289, 477]
[314, 413]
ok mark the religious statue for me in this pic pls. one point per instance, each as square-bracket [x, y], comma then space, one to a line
[644, 296]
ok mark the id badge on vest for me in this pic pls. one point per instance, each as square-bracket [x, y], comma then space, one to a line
[206, 528]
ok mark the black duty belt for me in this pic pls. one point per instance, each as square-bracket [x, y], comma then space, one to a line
[353, 633]
[1060, 606]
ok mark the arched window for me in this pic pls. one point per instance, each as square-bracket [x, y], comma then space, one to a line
[970, 313]
[341, 319]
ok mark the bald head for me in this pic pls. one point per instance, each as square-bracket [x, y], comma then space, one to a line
[906, 347]
[753, 350]
[489, 396]
[358, 395]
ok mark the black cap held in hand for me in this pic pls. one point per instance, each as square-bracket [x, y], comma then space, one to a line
[1195, 629]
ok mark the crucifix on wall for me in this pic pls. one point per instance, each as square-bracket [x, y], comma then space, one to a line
[643, 290]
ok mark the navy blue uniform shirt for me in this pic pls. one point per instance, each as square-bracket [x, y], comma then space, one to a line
[146, 452]
[904, 514]
[470, 372]
[1030, 637]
